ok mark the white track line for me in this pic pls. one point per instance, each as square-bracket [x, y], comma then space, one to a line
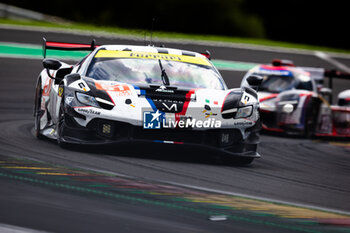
[332, 61]
[5, 228]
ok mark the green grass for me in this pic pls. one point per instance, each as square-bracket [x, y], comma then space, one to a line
[172, 35]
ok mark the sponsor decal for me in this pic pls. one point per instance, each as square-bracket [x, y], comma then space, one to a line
[214, 102]
[207, 111]
[168, 105]
[209, 114]
[154, 56]
[119, 89]
[243, 123]
[192, 123]
[89, 111]
[82, 86]
[157, 120]
[69, 100]
[281, 72]
[164, 90]
[245, 99]
[47, 88]
[152, 120]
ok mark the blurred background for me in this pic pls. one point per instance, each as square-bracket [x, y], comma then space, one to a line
[299, 21]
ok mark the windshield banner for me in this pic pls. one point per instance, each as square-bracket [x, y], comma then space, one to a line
[149, 55]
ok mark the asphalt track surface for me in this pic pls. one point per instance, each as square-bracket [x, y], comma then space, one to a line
[153, 189]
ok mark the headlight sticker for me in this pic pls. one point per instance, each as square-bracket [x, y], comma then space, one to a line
[87, 100]
[244, 112]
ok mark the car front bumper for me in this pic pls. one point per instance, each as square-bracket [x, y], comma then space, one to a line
[106, 132]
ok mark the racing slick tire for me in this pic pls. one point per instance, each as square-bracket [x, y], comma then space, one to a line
[37, 110]
[243, 161]
[61, 125]
[238, 161]
[311, 119]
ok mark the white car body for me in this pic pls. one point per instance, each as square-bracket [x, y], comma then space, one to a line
[126, 103]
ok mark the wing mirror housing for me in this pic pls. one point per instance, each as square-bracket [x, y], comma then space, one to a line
[72, 77]
[254, 81]
[51, 64]
[326, 91]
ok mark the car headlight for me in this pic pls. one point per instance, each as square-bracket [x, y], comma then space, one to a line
[87, 99]
[244, 112]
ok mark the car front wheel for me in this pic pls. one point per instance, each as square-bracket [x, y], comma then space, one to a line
[37, 110]
[60, 127]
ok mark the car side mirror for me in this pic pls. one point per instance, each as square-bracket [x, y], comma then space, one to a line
[51, 64]
[72, 77]
[254, 81]
[325, 91]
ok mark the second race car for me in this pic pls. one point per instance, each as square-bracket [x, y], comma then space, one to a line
[294, 101]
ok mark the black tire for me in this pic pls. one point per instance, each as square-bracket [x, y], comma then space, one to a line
[311, 118]
[238, 161]
[61, 125]
[244, 161]
[37, 110]
[308, 131]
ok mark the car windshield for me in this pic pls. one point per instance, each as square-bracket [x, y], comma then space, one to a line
[277, 84]
[149, 71]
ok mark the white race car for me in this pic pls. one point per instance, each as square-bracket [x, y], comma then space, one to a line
[120, 93]
[293, 100]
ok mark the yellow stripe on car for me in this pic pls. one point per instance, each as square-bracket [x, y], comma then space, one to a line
[149, 55]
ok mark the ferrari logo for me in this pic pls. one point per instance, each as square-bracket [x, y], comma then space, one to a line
[60, 91]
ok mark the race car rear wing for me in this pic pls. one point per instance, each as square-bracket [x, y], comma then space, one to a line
[318, 74]
[336, 74]
[67, 46]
